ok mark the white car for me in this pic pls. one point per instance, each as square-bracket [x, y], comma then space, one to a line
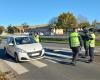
[23, 48]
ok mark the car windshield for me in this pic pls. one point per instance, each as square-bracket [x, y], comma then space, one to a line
[24, 40]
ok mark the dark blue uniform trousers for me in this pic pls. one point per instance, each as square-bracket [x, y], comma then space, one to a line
[75, 51]
[91, 53]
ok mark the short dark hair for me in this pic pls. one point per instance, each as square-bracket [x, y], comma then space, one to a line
[91, 30]
[74, 28]
[83, 27]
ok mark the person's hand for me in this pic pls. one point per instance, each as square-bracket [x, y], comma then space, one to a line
[80, 47]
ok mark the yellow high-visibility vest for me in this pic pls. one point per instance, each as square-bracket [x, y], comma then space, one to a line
[74, 39]
[91, 43]
[37, 38]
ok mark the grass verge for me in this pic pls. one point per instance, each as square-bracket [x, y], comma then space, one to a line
[59, 40]
[3, 76]
[3, 37]
[97, 43]
[54, 40]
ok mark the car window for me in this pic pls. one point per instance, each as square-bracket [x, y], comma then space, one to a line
[24, 40]
[10, 40]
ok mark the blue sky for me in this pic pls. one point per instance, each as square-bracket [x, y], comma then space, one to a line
[36, 12]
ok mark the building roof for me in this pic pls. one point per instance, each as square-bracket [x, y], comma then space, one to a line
[38, 26]
[31, 27]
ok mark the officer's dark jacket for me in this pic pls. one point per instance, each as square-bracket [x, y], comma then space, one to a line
[84, 35]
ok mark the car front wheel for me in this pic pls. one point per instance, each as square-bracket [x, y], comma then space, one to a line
[16, 58]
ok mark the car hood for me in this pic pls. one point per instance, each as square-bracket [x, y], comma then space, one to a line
[30, 47]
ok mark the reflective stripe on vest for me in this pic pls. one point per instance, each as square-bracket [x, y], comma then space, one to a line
[91, 43]
[74, 39]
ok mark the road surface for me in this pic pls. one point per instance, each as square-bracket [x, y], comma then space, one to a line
[54, 66]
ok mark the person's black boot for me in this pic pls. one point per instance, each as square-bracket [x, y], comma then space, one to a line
[73, 63]
[89, 61]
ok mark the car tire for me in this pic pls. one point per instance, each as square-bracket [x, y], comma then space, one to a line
[16, 58]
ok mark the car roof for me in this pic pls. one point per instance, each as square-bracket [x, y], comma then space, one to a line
[15, 36]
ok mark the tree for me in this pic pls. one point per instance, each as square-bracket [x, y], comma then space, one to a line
[82, 24]
[94, 23]
[25, 26]
[1, 29]
[10, 29]
[53, 23]
[16, 30]
[81, 19]
[67, 20]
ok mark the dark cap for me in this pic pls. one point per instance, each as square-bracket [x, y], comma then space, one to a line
[91, 29]
[83, 27]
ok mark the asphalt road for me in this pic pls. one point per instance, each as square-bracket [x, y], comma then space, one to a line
[52, 67]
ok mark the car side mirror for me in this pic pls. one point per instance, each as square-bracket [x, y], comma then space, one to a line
[11, 44]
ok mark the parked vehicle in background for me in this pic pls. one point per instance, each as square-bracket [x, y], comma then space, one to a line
[41, 34]
[23, 48]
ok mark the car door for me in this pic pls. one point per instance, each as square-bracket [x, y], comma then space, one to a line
[7, 45]
[11, 47]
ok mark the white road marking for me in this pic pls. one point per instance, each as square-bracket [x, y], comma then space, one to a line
[59, 55]
[65, 48]
[4, 67]
[69, 50]
[38, 63]
[16, 66]
[62, 50]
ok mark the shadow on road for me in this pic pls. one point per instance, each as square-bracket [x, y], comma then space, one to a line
[3, 56]
[59, 59]
[59, 52]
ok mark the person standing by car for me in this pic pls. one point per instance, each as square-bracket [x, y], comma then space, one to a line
[91, 44]
[84, 36]
[75, 44]
[36, 37]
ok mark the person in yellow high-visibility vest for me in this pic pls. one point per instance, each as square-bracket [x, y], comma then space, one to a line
[91, 44]
[75, 43]
[36, 38]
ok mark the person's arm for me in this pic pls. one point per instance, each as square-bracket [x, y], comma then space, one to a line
[89, 37]
[69, 42]
[81, 42]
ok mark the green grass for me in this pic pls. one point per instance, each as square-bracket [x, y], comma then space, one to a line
[2, 76]
[3, 37]
[97, 43]
[59, 40]
[56, 40]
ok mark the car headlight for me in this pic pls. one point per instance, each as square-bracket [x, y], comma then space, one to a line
[43, 50]
[20, 50]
